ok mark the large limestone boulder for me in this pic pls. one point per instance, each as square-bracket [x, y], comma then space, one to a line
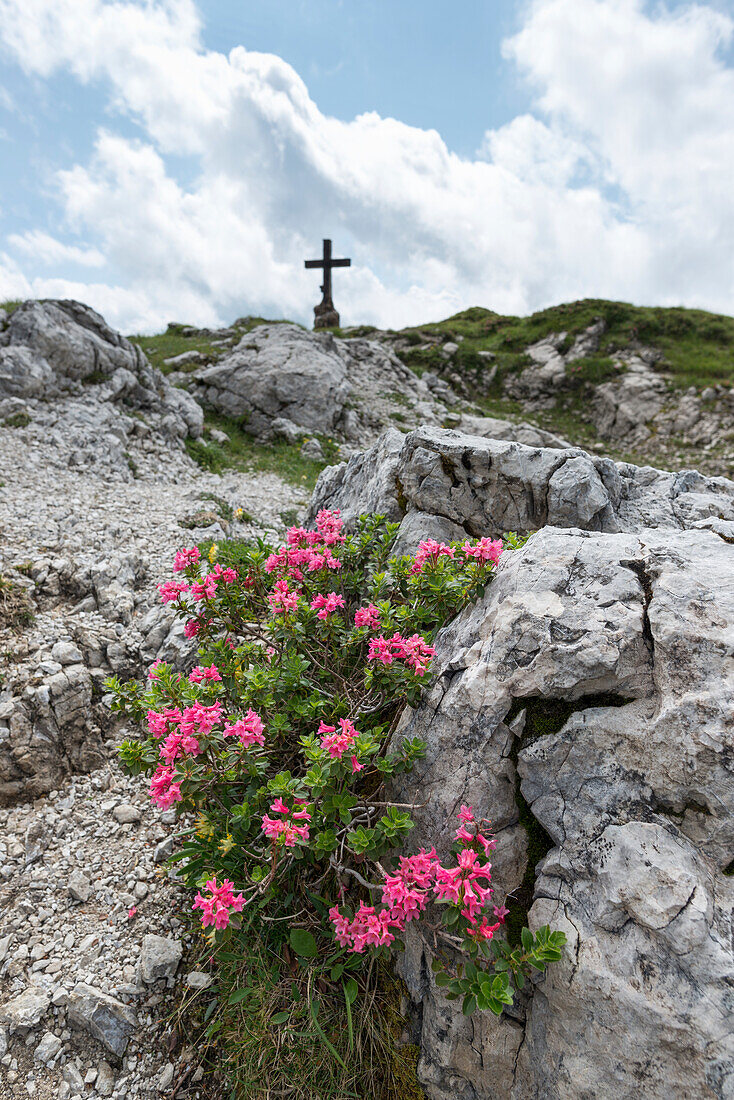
[281, 374]
[477, 486]
[597, 673]
[278, 371]
[64, 349]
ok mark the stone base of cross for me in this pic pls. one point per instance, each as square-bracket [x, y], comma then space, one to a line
[325, 315]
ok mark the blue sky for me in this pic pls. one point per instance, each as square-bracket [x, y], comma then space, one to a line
[165, 159]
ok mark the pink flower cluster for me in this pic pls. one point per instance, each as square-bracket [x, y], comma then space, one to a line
[484, 550]
[282, 599]
[367, 616]
[219, 905]
[172, 590]
[337, 744]
[184, 558]
[414, 651]
[309, 550]
[326, 605]
[469, 831]
[406, 894]
[285, 828]
[163, 791]
[180, 729]
[202, 673]
[428, 552]
[248, 730]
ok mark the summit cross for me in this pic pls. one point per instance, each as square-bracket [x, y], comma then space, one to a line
[325, 315]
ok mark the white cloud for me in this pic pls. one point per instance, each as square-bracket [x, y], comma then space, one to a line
[49, 251]
[618, 190]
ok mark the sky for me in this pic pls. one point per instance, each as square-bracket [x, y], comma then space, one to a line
[170, 160]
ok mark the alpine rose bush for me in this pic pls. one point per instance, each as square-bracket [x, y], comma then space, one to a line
[277, 749]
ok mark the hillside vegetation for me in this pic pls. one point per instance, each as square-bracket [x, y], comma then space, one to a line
[697, 347]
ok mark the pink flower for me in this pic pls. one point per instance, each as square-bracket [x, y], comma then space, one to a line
[217, 908]
[160, 724]
[131, 912]
[484, 550]
[201, 673]
[328, 526]
[171, 590]
[428, 552]
[281, 599]
[204, 590]
[336, 744]
[153, 670]
[200, 719]
[367, 616]
[356, 766]
[366, 928]
[185, 558]
[176, 744]
[285, 829]
[414, 651]
[248, 730]
[484, 931]
[227, 575]
[501, 913]
[466, 814]
[163, 791]
[192, 627]
[328, 604]
[380, 650]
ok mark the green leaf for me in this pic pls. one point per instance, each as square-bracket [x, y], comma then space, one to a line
[303, 943]
[527, 939]
[469, 1004]
[238, 995]
[279, 1017]
[351, 989]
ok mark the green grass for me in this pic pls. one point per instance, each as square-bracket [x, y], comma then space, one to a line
[243, 453]
[11, 304]
[17, 420]
[16, 606]
[271, 1030]
[698, 347]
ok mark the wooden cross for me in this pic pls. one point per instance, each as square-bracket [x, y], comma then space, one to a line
[326, 315]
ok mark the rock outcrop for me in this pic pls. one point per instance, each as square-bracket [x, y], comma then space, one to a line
[62, 366]
[623, 645]
[349, 389]
[584, 705]
[470, 485]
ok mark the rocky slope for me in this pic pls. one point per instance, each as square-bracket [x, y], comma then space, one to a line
[584, 705]
[96, 494]
[643, 384]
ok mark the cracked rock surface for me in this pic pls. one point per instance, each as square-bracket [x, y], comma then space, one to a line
[470, 485]
[634, 792]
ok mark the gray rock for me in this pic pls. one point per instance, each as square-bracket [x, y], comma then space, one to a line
[105, 1082]
[73, 1078]
[66, 653]
[23, 373]
[198, 979]
[487, 486]
[48, 1048]
[25, 1010]
[277, 372]
[164, 849]
[185, 358]
[104, 1017]
[634, 634]
[3, 1042]
[520, 432]
[126, 813]
[159, 958]
[79, 886]
[165, 1078]
[311, 449]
